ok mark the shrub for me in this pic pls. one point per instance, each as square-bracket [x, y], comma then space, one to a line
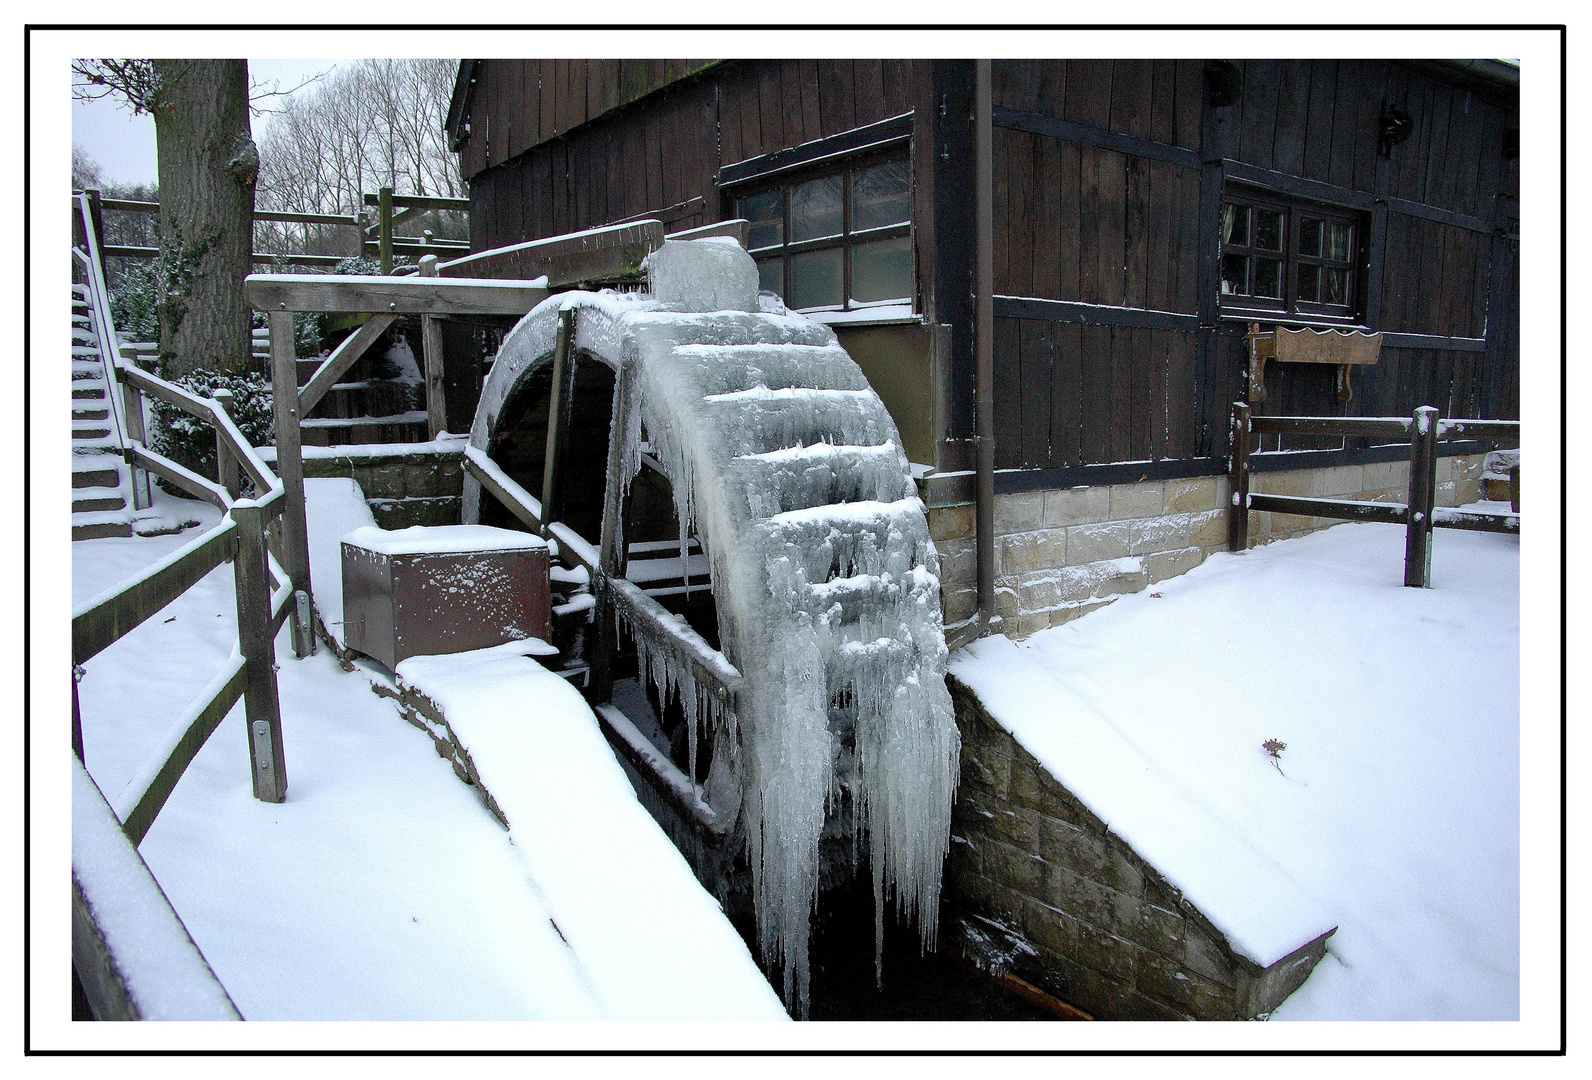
[190, 441]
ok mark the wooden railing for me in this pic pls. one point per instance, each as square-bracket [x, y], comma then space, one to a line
[367, 238]
[1419, 515]
[265, 598]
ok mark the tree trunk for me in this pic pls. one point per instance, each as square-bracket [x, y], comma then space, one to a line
[208, 165]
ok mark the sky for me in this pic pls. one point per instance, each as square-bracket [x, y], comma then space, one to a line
[124, 145]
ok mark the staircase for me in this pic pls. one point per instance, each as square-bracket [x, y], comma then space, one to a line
[102, 490]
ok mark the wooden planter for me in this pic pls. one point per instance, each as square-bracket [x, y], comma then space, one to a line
[1345, 348]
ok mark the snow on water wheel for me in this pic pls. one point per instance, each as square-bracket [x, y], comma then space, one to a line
[784, 463]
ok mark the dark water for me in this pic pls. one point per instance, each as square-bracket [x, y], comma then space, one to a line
[935, 986]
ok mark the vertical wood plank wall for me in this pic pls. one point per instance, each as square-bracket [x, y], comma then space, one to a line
[560, 145]
[1092, 225]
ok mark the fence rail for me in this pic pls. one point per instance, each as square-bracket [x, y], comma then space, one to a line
[368, 239]
[1418, 515]
[110, 966]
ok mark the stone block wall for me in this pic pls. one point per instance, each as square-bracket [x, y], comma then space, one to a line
[405, 484]
[1065, 552]
[1089, 921]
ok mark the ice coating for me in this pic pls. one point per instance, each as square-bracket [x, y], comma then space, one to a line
[787, 468]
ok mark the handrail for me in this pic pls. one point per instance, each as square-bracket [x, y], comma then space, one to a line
[107, 342]
[100, 622]
[205, 409]
[121, 918]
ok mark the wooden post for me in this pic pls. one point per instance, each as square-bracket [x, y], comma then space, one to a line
[1423, 494]
[77, 718]
[559, 412]
[227, 474]
[262, 710]
[384, 223]
[133, 418]
[96, 220]
[600, 685]
[1238, 481]
[290, 467]
[1514, 489]
[432, 358]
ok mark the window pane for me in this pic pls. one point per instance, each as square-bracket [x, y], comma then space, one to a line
[1337, 285]
[1235, 225]
[771, 275]
[881, 270]
[1337, 241]
[1268, 278]
[1235, 274]
[815, 208]
[879, 196]
[816, 278]
[766, 215]
[1310, 236]
[1309, 283]
[1268, 229]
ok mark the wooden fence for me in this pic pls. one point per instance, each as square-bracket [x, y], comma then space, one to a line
[1419, 515]
[265, 598]
[363, 236]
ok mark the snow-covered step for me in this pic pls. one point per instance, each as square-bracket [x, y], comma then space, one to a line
[87, 500]
[91, 472]
[84, 390]
[86, 414]
[85, 350]
[101, 524]
[89, 429]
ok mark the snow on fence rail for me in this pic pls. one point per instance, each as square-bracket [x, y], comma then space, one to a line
[111, 964]
[1418, 515]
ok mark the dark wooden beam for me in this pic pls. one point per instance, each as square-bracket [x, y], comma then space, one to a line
[1070, 311]
[1136, 145]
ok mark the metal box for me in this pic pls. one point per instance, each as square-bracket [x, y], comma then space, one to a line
[443, 589]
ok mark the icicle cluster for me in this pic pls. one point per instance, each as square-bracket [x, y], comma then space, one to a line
[786, 466]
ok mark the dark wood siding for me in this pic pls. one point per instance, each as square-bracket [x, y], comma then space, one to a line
[1098, 205]
[1109, 342]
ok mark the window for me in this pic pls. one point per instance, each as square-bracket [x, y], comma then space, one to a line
[1289, 258]
[837, 241]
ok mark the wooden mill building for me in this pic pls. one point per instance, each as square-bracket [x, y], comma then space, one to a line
[1147, 215]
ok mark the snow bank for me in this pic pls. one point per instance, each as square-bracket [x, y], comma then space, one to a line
[1396, 808]
[654, 944]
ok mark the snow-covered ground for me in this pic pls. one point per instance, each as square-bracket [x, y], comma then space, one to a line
[383, 888]
[1395, 806]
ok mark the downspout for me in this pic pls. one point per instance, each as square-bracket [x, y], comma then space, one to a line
[984, 344]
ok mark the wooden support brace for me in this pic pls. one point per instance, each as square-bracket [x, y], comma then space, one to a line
[261, 707]
[559, 416]
[600, 686]
[431, 354]
[348, 351]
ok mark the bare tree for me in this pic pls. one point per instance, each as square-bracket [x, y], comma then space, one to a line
[375, 123]
[208, 165]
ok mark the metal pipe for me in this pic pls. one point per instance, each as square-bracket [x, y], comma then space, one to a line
[984, 341]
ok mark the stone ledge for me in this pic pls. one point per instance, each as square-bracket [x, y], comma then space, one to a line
[1098, 926]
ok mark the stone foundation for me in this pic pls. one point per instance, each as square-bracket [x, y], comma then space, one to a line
[1062, 553]
[404, 483]
[1082, 916]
